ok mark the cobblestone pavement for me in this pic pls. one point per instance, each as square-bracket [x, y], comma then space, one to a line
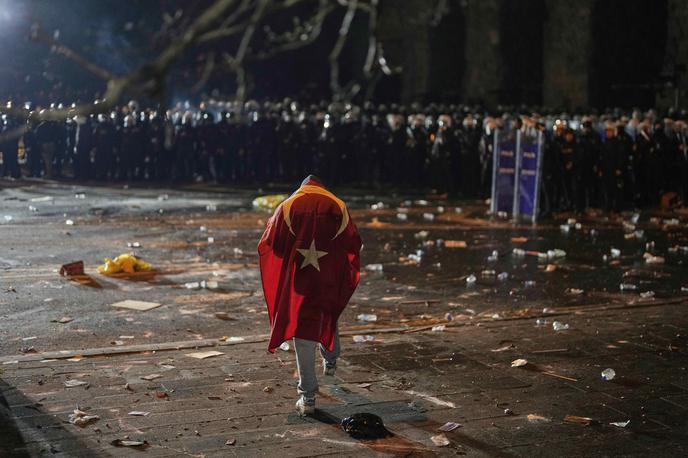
[415, 375]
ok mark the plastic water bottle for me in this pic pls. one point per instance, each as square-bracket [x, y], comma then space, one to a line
[608, 374]
[559, 326]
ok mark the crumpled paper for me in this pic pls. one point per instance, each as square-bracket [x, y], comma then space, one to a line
[124, 263]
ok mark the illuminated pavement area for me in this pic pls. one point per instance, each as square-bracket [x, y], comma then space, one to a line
[415, 375]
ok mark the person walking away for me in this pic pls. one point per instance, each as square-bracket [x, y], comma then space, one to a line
[310, 267]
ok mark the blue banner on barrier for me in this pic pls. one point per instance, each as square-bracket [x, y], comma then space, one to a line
[530, 151]
[505, 172]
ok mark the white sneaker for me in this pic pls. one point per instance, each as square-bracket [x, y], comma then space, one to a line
[304, 407]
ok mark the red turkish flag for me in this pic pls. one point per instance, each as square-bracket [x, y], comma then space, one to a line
[309, 264]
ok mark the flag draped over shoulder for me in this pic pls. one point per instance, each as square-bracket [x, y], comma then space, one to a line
[309, 264]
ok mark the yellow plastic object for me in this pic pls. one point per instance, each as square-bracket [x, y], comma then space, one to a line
[268, 203]
[124, 263]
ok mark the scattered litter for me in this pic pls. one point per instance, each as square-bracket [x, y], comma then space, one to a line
[223, 316]
[518, 252]
[285, 346]
[211, 240]
[151, 377]
[69, 222]
[519, 239]
[550, 268]
[361, 339]
[620, 424]
[615, 252]
[519, 362]
[128, 443]
[73, 268]
[556, 253]
[586, 421]
[366, 317]
[651, 259]
[192, 285]
[81, 418]
[140, 306]
[574, 291]
[455, 244]
[439, 328]
[608, 374]
[449, 426]
[402, 216]
[211, 208]
[529, 283]
[535, 418]
[440, 440]
[230, 442]
[493, 257]
[32, 208]
[503, 276]
[42, 199]
[269, 202]
[124, 263]
[205, 354]
[422, 235]
[134, 245]
[63, 320]
[471, 279]
[488, 273]
[365, 426]
[374, 267]
[138, 413]
[268, 389]
[559, 326]
[72, 383]
[163, 197]
[627, 287]
[429, 216]
[647, 295]
[504, 348]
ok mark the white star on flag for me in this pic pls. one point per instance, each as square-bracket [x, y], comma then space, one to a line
[311, 256]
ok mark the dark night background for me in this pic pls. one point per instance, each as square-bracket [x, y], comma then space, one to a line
[625, 58]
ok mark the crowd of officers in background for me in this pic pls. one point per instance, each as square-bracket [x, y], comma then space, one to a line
[613, 160]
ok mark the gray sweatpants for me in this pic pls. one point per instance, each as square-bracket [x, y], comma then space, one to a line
[305, 362]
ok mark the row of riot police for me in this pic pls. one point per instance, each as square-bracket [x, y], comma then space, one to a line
[611, 160]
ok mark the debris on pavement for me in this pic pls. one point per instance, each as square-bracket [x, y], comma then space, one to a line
[361, 339]
[367, 317]
[535, 418]
[440, 440]
[138, 413]
[63, 320]
[608, 374]
[449, 426]
[223, 316]
[374, 267]
[519, 362]
[231, 442]
[81, 418]
[151, 377]
[205, 354]
[365, 426]
[455, 244]
[586, 421]
[620, 424]
[140, 306]
[124, 263]
[559, 326]
[74, 383]
[129, 443]
[269, 202]
[284, 346]
[72, 269]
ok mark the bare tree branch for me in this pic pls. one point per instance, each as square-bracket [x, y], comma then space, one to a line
[339, 45]
[372, 39]
[60, 48]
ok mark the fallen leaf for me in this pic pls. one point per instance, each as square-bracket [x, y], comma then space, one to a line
[81, 418]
